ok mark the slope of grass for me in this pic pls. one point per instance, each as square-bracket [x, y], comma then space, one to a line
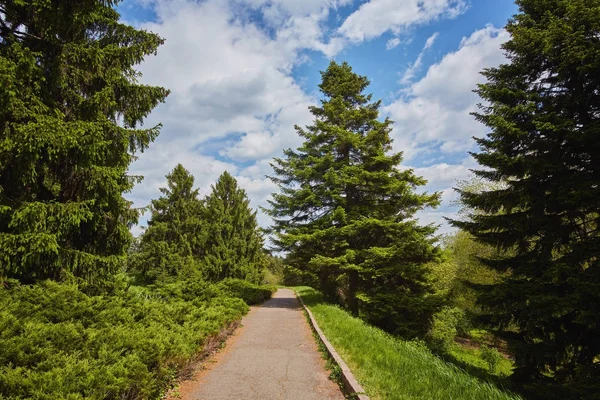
[392, 369]
[471, 358]
[468, 353]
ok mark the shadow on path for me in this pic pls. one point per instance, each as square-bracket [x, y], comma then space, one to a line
[291, 303]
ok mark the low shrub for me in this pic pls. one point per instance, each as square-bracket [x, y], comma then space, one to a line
[447, 323]
[247, 291]
[59, 343]
[491, 356]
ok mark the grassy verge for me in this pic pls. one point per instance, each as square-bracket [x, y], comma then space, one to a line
[389, 368]
[335, 372]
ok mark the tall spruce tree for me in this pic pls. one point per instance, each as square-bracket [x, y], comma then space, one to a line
[543, 112]
[173, 244]
[346, 210]
[234, 243]
[70, 106]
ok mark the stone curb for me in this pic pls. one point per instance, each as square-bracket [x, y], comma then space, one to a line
[350, 383]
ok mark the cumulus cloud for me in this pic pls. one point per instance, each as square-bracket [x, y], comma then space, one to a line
[376, 17]
[434, 112]
[230, 81]
[433, 115]
[437, 218]
[300, 23]
[442, 178]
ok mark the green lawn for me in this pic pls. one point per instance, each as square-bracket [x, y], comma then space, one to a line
[389, 368]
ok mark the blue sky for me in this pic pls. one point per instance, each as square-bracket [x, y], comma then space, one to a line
[243, 72]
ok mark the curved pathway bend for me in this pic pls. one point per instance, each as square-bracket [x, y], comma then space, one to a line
[274, 357]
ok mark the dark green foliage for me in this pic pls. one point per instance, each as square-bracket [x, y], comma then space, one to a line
[293, 276]
[542, 109]
[247, 291]
[58, 343]
[70, 111]
[234, 241]
[174, 241]
[345, 211]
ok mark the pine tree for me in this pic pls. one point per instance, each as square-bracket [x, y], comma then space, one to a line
[173, 244]
[234, 243]
[543, 112]
[70, 107]
[346, 211]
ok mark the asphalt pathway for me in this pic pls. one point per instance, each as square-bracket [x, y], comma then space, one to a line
[274, 357]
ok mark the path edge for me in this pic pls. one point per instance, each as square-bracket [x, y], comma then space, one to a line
[351, 385]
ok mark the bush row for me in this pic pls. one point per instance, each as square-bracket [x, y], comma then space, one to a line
[249, 292]
[59, 343]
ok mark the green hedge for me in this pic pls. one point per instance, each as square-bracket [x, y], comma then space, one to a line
[249, 292]
[58, 343]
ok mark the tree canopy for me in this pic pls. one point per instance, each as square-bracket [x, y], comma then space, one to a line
[70, 111]
[234, 242]
[174, 242]
[542, 109]
[345, 210]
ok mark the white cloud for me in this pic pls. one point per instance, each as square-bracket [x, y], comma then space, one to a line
[300, 23]
[392, 43]
[435, 111]
[231, 82]
[442, 176]
[437, 218]
[277, 10]
[430, 41]
[376, 17]
[412, 69]
[228, 78]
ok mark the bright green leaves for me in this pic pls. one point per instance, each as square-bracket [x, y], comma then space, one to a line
[58, 343]
[345, 212]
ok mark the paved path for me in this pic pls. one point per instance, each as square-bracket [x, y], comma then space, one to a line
[273, 358]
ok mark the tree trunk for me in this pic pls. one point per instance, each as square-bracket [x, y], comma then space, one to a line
[352, 290]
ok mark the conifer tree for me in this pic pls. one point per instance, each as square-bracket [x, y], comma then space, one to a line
[346, 211]
[234, 242]
[70, 110]
[173, 243]
[543, 112]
